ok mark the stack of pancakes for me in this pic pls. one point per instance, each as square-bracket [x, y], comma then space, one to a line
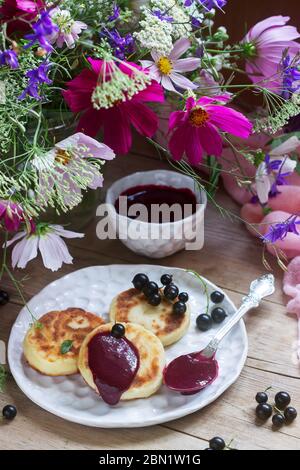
[148, 328]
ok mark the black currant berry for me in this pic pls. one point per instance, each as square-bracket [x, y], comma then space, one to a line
[4, 297]
[217, 443]
[290, 414]
[179, 308]
[166, 279]
[282, 400]
[118, 330]
[150, 289]
[140, 280]
[217, 297]
[204, 322]
[183, 297]
[261, 397]
[264, 411]
[218, 315]
[154, 299]
[278, 420]
[171, 292]
[9, 412]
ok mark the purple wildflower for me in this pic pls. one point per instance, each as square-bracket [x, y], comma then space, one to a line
[163, 16]
[121, 45]
[10, 58]
[207, 4]
[43, 29]
[290, 76]
[279, 231]
[195, 22]
[36, 78]
[115, 13]
[280, 178]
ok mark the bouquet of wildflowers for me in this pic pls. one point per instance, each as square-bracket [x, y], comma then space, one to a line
[104, 67]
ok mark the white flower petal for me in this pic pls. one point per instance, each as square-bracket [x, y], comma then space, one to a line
[182, 82]
[50, 251]
[146, 63]
[180, 47]
[167, 83]
[24, 251]
[66, 233]
[288, 165]
[262, 183]
[16, 237]
[186, 65]
[286, 147]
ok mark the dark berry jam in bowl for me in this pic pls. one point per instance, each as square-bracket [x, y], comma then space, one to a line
[157, 213]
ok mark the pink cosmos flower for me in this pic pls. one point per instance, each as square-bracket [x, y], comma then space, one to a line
[47, 239]
[117, 119]
[264, 46]
[197, 128]
[165, 69]
[68, 29]
[26, 10]
[11, 215]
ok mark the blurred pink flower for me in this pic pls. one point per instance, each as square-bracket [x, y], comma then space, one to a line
[117, 119]
[264, 46]
[11, 215]
[165, 69]
[197, 128]
[47, 239]
[25, 10]
[68, 29]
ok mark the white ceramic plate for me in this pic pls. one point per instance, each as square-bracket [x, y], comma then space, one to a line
[92, 289]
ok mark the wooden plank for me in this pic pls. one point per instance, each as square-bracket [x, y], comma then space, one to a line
[232, 416]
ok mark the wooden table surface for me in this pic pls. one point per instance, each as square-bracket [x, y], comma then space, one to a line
[231, 258]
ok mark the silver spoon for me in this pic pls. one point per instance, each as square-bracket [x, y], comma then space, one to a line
[192, 372]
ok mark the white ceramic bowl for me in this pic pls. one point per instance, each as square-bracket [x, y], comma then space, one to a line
[153, 239]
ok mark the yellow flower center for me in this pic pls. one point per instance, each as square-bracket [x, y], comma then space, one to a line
[63, 156]
[165, 65]
[198, 117]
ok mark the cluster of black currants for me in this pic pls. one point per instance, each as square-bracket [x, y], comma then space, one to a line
[4, 297]
[205, 321]
[9, 412]
[153, 294]
[283, 412]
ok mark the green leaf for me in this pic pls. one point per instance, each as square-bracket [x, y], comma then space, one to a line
[66, 346]
[3, 377]
[266, 210]
[282, 138]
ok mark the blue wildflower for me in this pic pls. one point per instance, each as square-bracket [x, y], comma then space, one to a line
[35, 78]
[208, 4]
[115, 13]
[43, 29]
[290, 76]
[122, 45]
[10, 58]
[279, 231]
[163, 16]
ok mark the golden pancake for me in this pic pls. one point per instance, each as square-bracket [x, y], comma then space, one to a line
[151, 355]
[42, 345]
[132, 306]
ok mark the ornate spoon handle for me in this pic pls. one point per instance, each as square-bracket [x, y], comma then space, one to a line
[260, 288]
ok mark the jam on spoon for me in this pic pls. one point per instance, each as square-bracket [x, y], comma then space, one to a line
[114, 362]
[190, 373]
